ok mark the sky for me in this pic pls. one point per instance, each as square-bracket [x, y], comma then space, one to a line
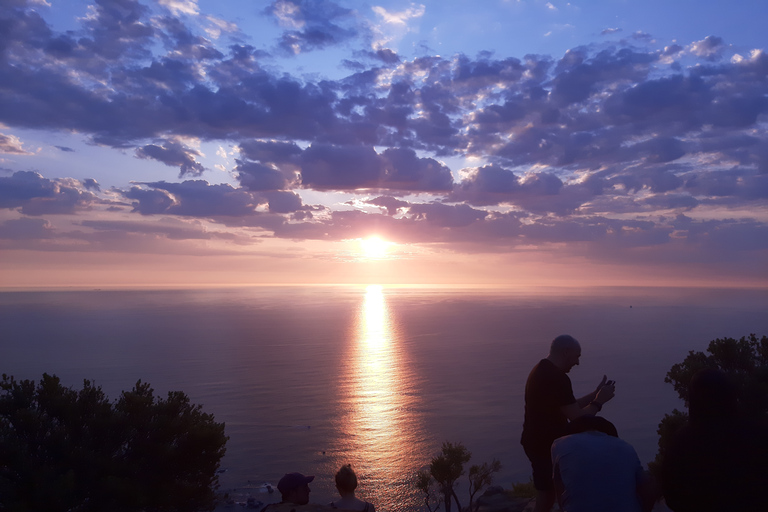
[518, 143]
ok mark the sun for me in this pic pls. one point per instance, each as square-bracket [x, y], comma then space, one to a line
[374, 247]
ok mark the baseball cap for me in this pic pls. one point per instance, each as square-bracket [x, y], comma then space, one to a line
[291, 481]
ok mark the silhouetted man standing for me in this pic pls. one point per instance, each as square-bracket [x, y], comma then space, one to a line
[549, 405]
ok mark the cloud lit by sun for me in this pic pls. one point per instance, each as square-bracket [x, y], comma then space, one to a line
[374, 247]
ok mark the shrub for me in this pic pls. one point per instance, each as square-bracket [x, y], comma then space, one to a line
[67, 450]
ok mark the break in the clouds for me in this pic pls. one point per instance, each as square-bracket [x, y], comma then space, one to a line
[615, 145]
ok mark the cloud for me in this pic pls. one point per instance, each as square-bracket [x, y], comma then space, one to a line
[91, 184]
[178, 7]
[313, 25]
[394, 24]
[399, 17]
[11, 145]
[173, 154]
[222, 202]
[25, 228]
[256, 176]
[392, 205]
[33, 194]
[168, 227]
[192, 198]
[325, 167]
[563, 150]
[217, 26]
[709, 48]
[487, 185]
[446, 216]
[609, 31]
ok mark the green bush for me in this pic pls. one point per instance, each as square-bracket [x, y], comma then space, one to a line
[66, 450]
[745, 361]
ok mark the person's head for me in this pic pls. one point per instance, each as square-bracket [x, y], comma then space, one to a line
[711, 396]
[591, 423]
[294, 488]
[564, 352]
[346, 480]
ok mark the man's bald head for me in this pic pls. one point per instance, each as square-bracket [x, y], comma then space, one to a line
[564, 352]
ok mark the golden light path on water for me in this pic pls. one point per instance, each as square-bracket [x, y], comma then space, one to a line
[386, 441]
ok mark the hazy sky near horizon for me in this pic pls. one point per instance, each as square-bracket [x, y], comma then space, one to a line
[522, 142]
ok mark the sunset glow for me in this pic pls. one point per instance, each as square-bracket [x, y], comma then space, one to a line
[375, 247]
[186, 142]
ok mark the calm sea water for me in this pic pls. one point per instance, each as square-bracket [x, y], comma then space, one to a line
[307, 379]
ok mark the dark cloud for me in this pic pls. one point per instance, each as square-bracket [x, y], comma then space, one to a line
[579, 75]
[387, 56]
[196, 198]
[117, 30]
[257, 176]
[91, 184]
[446, 216]
[270, 152]
[391, 204]
[709, 48]
[173, 154]
[563, 145]
[403, 170]
[23, 186]
[326, 167]
[25, 228]
[313, 25]
[487, 185]
[149, 202]
[284, 202]
[35, 195]
[671, 201]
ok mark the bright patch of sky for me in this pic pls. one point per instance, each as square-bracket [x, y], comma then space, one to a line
[611, 127]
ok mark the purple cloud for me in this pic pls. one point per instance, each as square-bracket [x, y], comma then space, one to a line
[563, 146]
[173, 154]
[33, 194]
[312, 25]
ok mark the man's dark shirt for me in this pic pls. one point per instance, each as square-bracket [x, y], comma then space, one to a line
[547, 390]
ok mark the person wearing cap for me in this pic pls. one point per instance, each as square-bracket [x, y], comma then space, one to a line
[294, 489]
[549, 405]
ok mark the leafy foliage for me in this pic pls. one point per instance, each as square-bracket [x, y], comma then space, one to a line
[445, 469]
[524, 489]
[481, 476]
[67, 450]
[745, 361]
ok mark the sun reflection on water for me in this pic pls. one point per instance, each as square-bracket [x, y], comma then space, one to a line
[384, 436]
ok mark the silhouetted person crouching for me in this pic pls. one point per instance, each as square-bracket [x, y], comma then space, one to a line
[595, 471]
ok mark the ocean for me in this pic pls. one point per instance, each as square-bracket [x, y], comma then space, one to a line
[309, 378]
